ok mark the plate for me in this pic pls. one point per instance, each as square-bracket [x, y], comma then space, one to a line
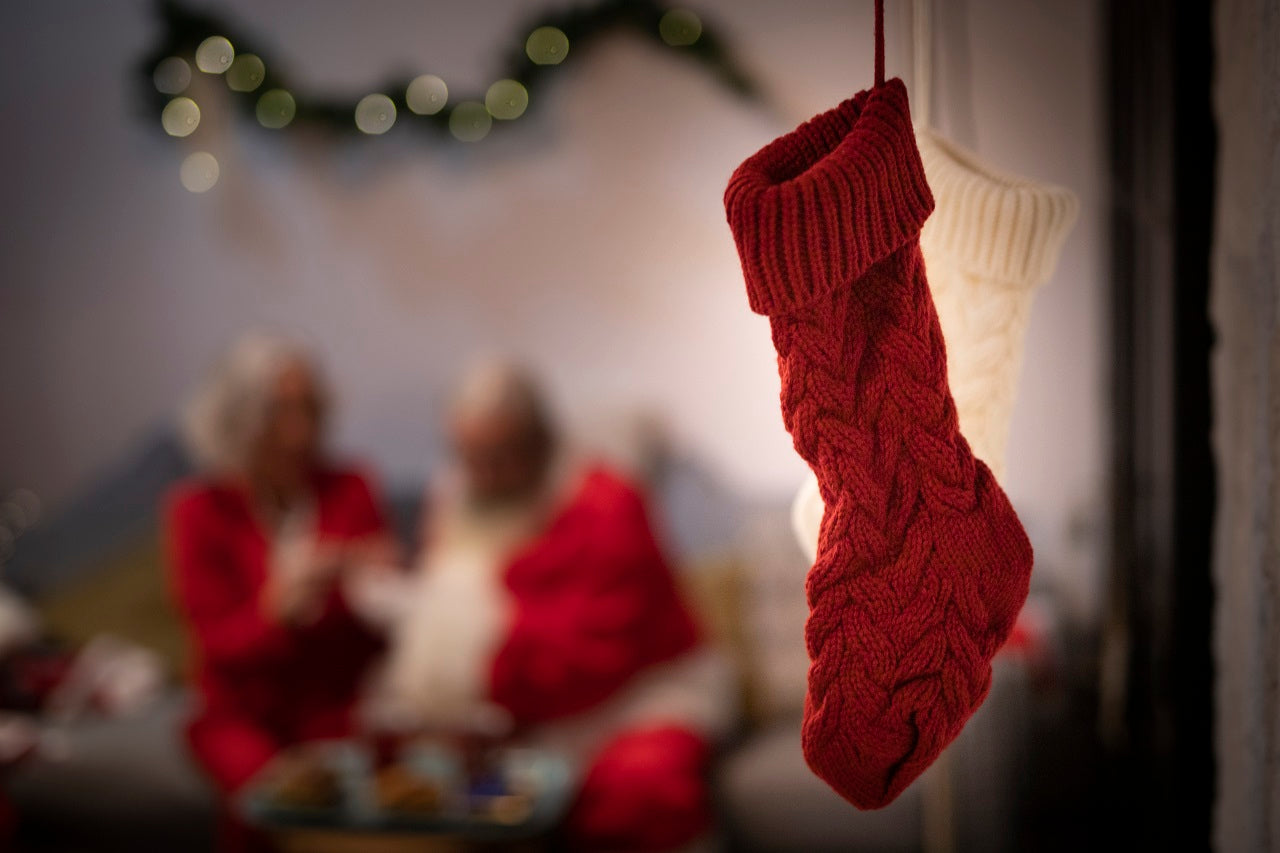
[520, 793]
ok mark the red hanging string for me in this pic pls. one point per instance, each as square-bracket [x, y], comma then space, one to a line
[879, 42]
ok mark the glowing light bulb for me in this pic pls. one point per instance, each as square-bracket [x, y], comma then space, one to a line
[506, 99]
[172, 76]
[246, 73]
[680, 28]
[375, 114]
[181, 117]
[470, 121]
[199, 171]
[214, 55]
[276, 108]
[426, 95]
[547, 46]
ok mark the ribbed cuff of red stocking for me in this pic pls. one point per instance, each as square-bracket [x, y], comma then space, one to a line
[816, 208]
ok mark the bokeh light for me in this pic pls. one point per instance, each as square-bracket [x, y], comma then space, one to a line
[12, 517]
[506, 99]
[375, 114]
[199, 171]
[426, 95]
[29, 502]
[680, 28]
[547, 46]
[214, 55]
[181, 117]
[276, 109]
[470, 121]
[172, 76]
[246, 73]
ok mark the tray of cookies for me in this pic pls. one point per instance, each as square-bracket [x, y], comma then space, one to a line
[419, 786]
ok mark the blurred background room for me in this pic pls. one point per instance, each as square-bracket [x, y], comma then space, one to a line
[384, 195]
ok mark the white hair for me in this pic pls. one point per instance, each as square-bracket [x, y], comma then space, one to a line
[499, 387]
[228, 411]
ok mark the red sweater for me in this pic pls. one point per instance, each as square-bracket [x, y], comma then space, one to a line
[595, 604]
[295, 683]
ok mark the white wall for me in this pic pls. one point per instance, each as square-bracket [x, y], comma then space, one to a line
[593, 240]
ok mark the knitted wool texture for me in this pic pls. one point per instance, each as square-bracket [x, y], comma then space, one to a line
[993, 239]
[922, 564]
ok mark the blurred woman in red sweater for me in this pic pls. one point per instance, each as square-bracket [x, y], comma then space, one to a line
[258, 548]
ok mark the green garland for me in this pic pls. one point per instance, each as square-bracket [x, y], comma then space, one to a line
[260, 88]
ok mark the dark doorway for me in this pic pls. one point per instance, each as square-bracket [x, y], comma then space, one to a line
[1157, 638]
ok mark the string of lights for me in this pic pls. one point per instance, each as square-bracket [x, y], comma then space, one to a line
[195, 42]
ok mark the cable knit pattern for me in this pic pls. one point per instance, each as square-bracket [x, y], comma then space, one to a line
[992, 240]
[922, 564]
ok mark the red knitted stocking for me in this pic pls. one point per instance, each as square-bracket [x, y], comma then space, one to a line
[922, 564]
